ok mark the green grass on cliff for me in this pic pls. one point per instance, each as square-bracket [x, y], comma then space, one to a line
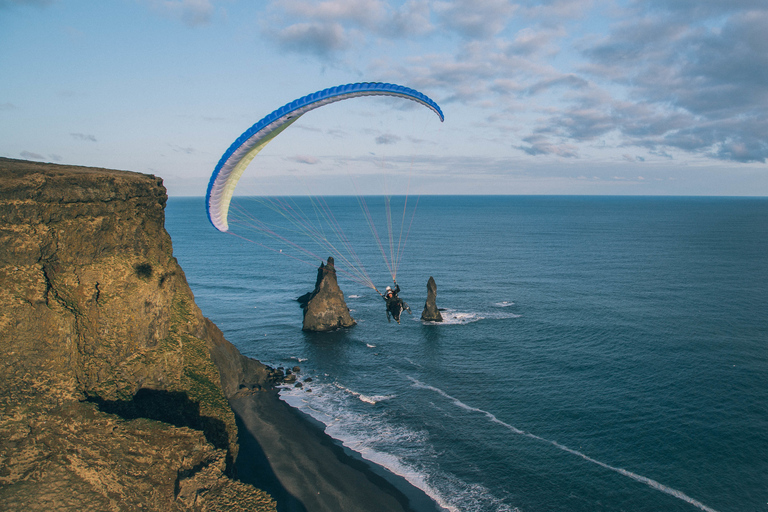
[200, 378]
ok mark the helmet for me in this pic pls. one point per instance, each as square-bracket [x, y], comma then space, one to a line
[388, 288]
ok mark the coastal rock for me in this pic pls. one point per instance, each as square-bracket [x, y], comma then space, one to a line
[324, 307]
[115, 392]
[110, 397]
[431, 313]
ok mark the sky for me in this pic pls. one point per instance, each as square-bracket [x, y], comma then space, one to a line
[619, 97]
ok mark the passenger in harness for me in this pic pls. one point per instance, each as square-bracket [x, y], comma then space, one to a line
[395, 305]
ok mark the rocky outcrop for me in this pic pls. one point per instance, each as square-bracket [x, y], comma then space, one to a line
[324, 307]
[431, 313]
[113, 386]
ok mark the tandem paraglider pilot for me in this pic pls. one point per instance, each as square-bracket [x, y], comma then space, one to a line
[395, 305]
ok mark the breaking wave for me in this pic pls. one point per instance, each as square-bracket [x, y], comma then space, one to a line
[634, 476]
[453, 317]
[404, 451]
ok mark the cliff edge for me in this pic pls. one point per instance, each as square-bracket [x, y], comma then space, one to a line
[111, 394]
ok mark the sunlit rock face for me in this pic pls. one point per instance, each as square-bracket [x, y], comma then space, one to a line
[324, 307]
[109, 396]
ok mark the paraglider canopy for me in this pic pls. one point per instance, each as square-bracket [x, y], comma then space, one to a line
[233, 163]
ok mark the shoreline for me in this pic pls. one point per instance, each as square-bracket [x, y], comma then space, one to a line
[288, 454]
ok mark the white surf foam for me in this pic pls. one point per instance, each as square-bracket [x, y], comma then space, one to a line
[401, 450]
[504, 304]
[453, 317]
[639, 478]
[364, 398]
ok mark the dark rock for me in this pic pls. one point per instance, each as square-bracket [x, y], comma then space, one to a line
[324, 307]
[431, 313]
[296, 369]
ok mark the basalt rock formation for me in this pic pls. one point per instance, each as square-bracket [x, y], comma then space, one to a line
[324, 307]
[113, 386]
[431, 313]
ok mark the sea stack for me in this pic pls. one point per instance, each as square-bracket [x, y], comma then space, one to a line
[324, 307]
[431, 313]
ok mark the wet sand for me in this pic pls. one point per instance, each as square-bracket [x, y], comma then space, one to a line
[288, 454]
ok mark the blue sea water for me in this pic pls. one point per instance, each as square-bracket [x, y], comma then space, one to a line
[598, 353]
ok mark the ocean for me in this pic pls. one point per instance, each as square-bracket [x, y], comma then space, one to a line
[597, 353]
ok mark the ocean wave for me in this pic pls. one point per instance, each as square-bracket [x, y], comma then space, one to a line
[504, 304]
[365, 398]
[453, 317]
[403, 451]
[501, 315]
[634, 476]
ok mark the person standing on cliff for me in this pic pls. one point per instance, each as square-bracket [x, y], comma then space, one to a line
[395, 304]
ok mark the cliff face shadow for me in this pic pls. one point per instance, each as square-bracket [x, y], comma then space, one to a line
[172, 407]
[253, 467]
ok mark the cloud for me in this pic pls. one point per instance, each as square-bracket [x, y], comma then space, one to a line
[475, 19]
[83, 136]
[190, 12]
[359, 12]
[703, 86]
[327, 28]
[7, 107]
[315, 38]
[32, 156]
[540, 145]
[569, 82]
[305, 159]
[667, 76]
[388, 138]
[182, 149]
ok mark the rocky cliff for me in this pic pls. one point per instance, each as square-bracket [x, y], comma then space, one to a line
[325, 308]
[113, 386]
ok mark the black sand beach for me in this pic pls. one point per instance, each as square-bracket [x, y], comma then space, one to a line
[286, 453]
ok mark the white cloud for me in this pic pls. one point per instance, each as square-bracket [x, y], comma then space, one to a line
[388, 138]
[475, 18]
[704, 88]
[190, 12]
[305, 159]
[326, 28]
[83, 136]
[321, 39]
[539, 145]
[31, 156]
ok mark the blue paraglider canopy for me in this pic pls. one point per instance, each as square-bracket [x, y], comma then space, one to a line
[235, 160]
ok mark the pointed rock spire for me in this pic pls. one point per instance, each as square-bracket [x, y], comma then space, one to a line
[431, 313]
[324, 307]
